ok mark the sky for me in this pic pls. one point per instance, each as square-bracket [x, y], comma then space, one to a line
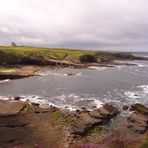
[84, 24]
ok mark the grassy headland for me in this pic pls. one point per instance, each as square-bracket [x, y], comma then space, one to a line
[14, 55]
[40, 56]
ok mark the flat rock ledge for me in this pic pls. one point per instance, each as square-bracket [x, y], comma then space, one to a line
[138, 120]
[86, 120]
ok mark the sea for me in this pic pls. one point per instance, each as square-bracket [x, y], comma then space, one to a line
[72, 89]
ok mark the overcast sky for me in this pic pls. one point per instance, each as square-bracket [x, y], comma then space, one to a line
[87, 24]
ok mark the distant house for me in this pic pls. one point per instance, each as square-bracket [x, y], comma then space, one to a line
[13, 44]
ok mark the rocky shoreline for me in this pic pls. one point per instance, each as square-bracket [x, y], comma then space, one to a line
[22, 71]
[26, 125]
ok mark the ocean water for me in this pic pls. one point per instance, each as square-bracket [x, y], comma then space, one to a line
[120, 85]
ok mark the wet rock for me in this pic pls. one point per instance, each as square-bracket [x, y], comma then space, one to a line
[108, 111]
[138, 122]
[88, 119]
[83, 108]
[94, 106]
[71, 74]
[139, 108]
[35, 104]
[17, 98]
[78, 111]
[125, 107]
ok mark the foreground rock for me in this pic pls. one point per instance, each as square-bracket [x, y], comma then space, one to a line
[139, 108]
[88, 119]
[10, 108]
[138, 121]
[27, 126]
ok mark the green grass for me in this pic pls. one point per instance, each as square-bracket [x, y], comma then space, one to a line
[6, 70]
[62, 118]
[145, 144]
[14, 55]
[46, 53]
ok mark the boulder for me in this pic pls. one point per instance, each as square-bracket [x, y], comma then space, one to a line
[88, 119]
[138, 122]
[35, 104]
[139, 108]
[125, 107]
[17, 98]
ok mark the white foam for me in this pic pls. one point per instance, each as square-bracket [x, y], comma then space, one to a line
[98, 103]
[144, 87]
[4, 81]
[137, 96]
[4, 98]
[97, 68]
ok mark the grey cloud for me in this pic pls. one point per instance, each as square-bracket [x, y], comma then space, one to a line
[90, 24]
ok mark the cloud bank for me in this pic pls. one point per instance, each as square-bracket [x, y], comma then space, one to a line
[90, 24]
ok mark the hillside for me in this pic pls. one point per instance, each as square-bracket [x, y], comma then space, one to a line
[41, 56]
[13, 55]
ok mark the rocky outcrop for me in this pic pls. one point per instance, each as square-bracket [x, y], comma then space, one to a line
[88, 119]
[10, 108]
[24, 125]
[139, 108]
[138, 120]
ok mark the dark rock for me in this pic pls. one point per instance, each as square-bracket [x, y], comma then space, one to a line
[83, 108]
[94, 106]
[35, 104]
[88, 119]
[17, 98]
[138, 122]
[71, 74]
[125, 107]
[88, 59]
[78, 111]
[108, 111]
[139, 108]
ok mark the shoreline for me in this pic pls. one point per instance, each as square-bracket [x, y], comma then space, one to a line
[23, 71]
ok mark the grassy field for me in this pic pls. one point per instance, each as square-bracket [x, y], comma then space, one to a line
[47, 53]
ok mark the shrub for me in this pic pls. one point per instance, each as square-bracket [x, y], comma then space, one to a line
[88, 58]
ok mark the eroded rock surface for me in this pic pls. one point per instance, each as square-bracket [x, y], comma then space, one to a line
[87, 119]
[138, 120]
[10, 108]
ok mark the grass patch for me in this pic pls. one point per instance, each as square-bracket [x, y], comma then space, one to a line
[93, 136]
[6, 70]
[62, 118]
[25, 109]
[145, 144]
